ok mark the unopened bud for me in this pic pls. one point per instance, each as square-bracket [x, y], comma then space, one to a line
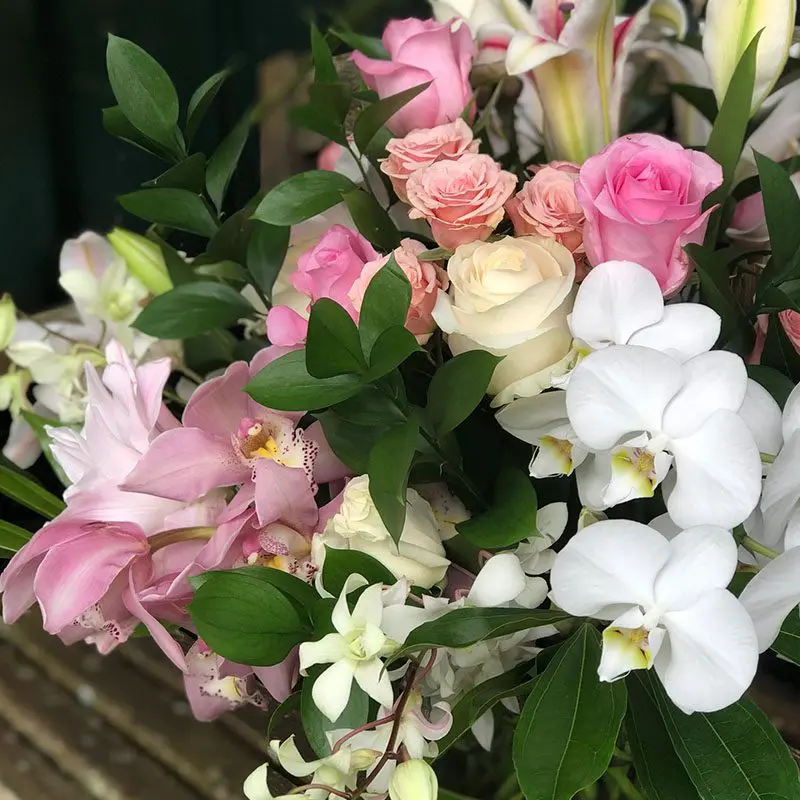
[144, 259]
[414, 780]
[8, 320]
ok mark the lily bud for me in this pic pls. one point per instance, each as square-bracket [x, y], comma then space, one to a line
[8, 320]
[730, 27]
[414, 780]
[144, 259]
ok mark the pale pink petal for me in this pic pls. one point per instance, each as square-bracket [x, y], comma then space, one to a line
[327, 466]
[218, 405]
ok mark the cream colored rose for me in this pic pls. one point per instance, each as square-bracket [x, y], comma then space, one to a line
[419, 556]
[512, 298]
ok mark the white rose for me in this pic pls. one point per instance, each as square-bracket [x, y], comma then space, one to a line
[419, 556]
[512, 298]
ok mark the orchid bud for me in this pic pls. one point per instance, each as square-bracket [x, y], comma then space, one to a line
[144, 259]
[8, 320]
[414, 780]
[731, 27]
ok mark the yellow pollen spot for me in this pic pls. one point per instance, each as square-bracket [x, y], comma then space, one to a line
[259, 443]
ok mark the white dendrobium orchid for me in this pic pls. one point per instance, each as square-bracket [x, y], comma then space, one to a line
[731, 27]
[668, 608]
[648, 403]
[577, 55]
[354, 652]
[256, 787]
[414, 780]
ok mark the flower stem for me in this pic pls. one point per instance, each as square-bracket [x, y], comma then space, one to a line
[757, 548]
[766, 458]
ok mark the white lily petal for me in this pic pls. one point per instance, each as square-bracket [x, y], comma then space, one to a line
[711, 655]
[711, 381]
[500, 581]
[527, 52]
[762, 415]
[686, 330]
[374, 680]
[329, 648]
[608, 567]
[772, 595]
[730, 27]
[618, 391]
[331, 690]
[530, 418]
[615, 300]
[701, 558]
[770, 138]
[718, 474]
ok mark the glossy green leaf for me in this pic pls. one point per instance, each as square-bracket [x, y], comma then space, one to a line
[658, 768]
[788, 642]
[38, 425]
[701, 98]
[341, 564]
[324, 68]
[457, 388]
[779, 352]
[568, 729]
[389, 464]
[144, 91]
[368, 45]
[175, 208]
[230, 242]
[201, 101]
[223, 163]
[390, 350]
[370, 121]
[511, 518]
[303, 196]
[285, 385]
[386, 302]
[117, 124]
[189, 174]
[352, 442]
[12, 538]
[180, 271]
[266, 253]
[227, 271]
[373, 222]
[24, 490]
[191, 309]
[332, 347]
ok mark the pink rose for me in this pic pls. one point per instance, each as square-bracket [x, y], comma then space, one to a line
[326, 270]
[643, 198]
[422, 148]
[425, 277]
[790, 321]
[422, 51]
[462, 200]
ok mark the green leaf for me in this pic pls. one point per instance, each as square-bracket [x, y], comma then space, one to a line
[316, 725]
[222, 164]
[568, 729]
[18, 486]
[228, 271]
[117, 124]
[246, 619]
[341, 564]
[776, 383]
[699, 97]
[658, 767]
[390, 350]
[281, 714]
[191, 309]
[352, 442]
[372, 221]
[446, 794]
[386, 302]
[788, 642]
[303, 196]
[180, 271]
[368, 45]
[370, 121]
[189, 174]
[467, 626]
[201, 101]
[12, 538]
[457, 388]
[144, 91]
[731, 753]
[38, 424]
[266, 253]
[176, 208]
[730, 128]
[332, 347]
[779, 352]
[285, 385]
[324, 68]
[511, 518]
[389, 464]
[230, 242]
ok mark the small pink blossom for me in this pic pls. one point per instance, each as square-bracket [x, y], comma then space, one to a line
[790, 321]
[423, 147]
[426, 279]
[643, 199]
[462, 200]
[422, 51]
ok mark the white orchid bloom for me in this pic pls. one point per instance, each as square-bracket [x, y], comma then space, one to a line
[534, 554]
[729, 30]
[685, 410]
[354, 651]
[256, 787]
[578, 59]
[414, 780]
[668, 608]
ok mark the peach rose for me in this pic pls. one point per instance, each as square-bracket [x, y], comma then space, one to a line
[421, 148]
[425, 277]
[462, 200]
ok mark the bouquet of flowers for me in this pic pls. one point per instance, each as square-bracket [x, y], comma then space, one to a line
[483, 435]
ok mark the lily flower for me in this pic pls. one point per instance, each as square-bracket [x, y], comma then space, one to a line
[668, 608]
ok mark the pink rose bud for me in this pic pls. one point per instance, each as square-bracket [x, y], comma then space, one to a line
[425, 277]
[424, 147]
[643, 199]
[422, 51]
[790, 320]
[462, 200]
